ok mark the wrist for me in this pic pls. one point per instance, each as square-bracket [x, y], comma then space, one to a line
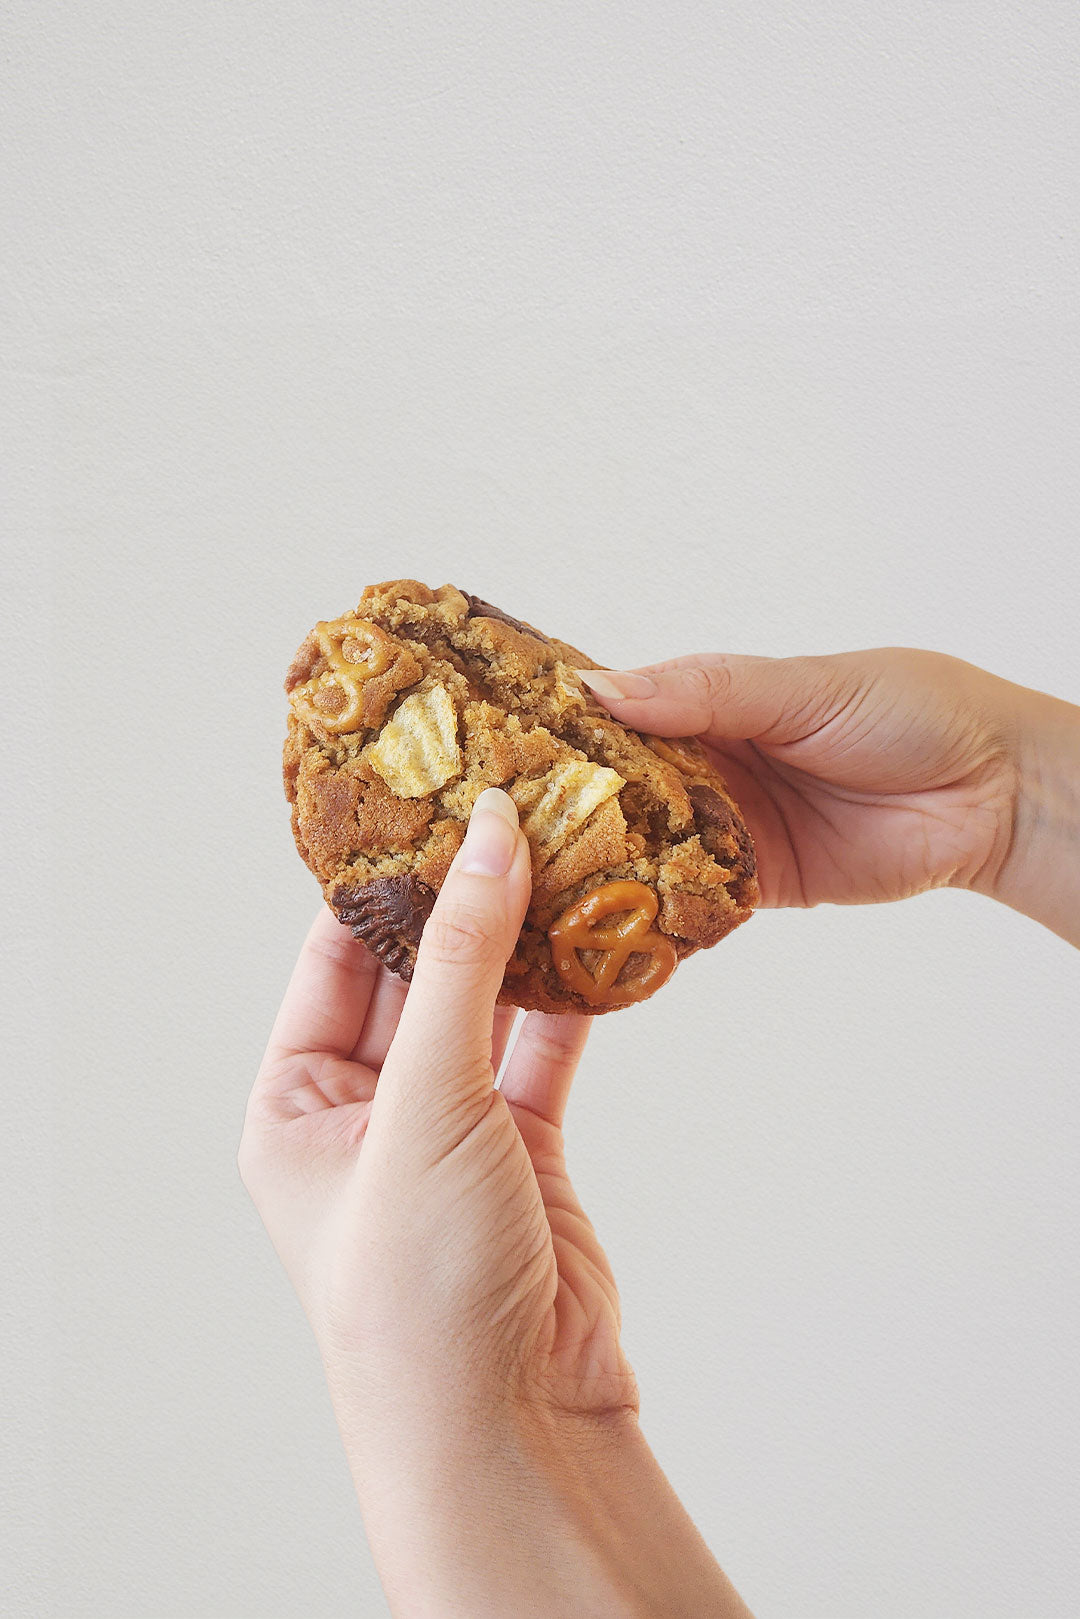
[523, 1511]
[646, 1555]
[1040, 873]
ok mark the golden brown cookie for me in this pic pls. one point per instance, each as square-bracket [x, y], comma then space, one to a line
[404, 710]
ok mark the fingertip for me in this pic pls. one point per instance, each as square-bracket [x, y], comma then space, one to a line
[706, 695]
[449, 1036]
[545, 1058]
[328, 993]
[483, 899]
[326, 924]
[617, 685]
[497, 802]
[491, 836]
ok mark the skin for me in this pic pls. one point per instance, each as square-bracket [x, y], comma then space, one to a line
[871, 776]
[466, 1314]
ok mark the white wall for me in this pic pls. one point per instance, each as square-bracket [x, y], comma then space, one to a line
[671, 327]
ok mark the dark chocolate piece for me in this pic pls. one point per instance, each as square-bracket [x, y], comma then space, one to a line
[709, 808]
[478, 608]
[713, 813]
[388, 915]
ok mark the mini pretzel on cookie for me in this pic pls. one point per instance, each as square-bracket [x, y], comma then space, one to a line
[581, 927]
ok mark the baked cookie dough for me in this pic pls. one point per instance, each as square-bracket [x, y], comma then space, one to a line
[402, 711]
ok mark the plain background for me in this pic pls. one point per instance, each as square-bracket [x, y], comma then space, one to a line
[671, 327]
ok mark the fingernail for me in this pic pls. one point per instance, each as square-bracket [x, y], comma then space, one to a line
[491, 836]
[611, 685]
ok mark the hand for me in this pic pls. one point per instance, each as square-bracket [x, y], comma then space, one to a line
[875, 775]
[465, 1311]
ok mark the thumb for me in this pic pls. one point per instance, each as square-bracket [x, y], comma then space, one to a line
[722, 697]
[437, 1078]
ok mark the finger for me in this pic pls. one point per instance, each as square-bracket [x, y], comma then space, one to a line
[501, 1027]
[438, 1072]
[385, 1013]
[327, 998]
[721, 697]
[544, 1061]
[381, 1022]
[310, 1081]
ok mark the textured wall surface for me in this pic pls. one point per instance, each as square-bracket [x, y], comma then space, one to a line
[671, 327]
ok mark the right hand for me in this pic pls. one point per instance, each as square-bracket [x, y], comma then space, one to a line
[864, 776]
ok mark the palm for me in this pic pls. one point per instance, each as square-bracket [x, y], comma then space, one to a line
[545, 1257]
[900, 790]
[819, 842]
[579, 1360]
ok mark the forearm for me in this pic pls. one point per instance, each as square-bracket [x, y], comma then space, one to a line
[1040, 875]
[504, 1514]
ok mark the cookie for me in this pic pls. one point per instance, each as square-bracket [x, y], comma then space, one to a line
[403, 711]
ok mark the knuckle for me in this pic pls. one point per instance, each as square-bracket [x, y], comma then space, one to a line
[457, 936]
[822, 688]
[710, 683]
[555, 1037]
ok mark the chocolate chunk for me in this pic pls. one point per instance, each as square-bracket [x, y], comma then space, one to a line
[478, 608]
[715, 815]
[709, 808]
[388, 915]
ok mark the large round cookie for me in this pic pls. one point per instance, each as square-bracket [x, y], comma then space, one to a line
[404, 710]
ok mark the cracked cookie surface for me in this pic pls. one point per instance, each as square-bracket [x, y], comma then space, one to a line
[403, 710]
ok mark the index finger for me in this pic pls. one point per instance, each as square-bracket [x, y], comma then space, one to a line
[327, 998]
[722, 697]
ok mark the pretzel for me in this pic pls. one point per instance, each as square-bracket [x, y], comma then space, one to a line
[581, 928]
[354, 652]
